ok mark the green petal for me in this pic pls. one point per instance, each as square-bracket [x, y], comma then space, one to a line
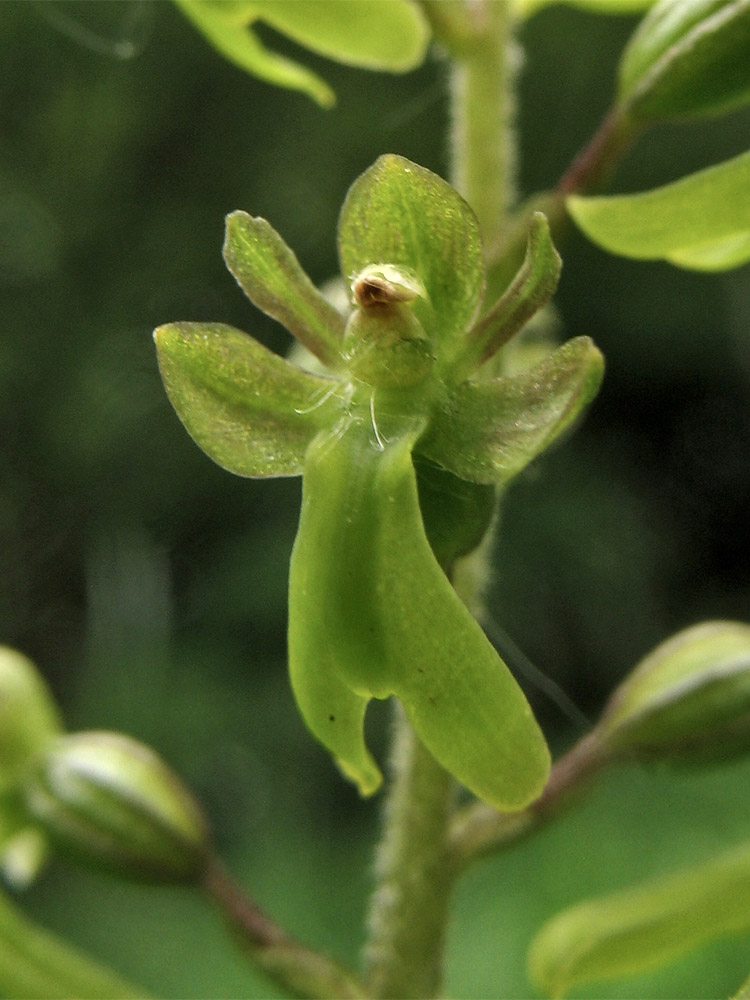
[270, 275]
[635, 930]
[402, 214]
[333, 713]
[531, 288]
[492, 429]
[369, 601]
[225, 27]
[701, 221]
[250, 410]
[380, 36]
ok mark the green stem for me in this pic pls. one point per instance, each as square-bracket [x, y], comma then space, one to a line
[483, 103]
[416, 868]
[409, 906]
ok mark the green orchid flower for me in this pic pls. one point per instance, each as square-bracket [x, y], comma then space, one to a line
[402, 441]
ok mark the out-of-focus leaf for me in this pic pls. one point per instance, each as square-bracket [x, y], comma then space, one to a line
[688, 58]
[402, 214]
[493, 428]
[525, 8]
[36, 965]
[389, 36]
[743, 993]
[229, 36]
[270, 275]
[251, 411]
[370, 607]
[643, 927]
[701, 221]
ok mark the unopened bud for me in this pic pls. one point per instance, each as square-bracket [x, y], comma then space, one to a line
[688, 700]
[113, 802]
[687, 58]
[28, 716]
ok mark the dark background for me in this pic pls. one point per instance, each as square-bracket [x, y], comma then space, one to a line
[150, 586]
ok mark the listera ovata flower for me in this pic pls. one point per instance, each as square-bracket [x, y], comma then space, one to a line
[371, 610]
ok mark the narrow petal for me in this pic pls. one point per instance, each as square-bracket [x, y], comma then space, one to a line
[269, 273]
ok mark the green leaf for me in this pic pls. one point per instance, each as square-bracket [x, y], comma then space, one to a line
[635, 930]
[370, 606]
[532, 287]
[701, 221]
[250, 410]
[270, 275]
[491, 429]
[401, 214]
[743, 993]
[389, 36]
[688, 699]
[224, 28]
[688, 58]
[36, 965]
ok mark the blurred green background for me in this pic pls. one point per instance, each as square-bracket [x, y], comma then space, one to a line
[149, 585]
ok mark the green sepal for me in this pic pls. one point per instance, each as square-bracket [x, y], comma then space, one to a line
[401, 214]
[250, 410]
[632, 931]
[491, 429]
[687, 59]
[269, 273]
[530, 290]
[701, 221]
[369, 605]
[688, 700]
[34, 963]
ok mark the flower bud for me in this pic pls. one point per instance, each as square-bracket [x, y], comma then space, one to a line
[687, 58]
[28, 716]
[113, 802]
[688, 700]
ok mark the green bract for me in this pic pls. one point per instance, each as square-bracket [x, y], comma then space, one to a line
[389, 36]
[371, 609]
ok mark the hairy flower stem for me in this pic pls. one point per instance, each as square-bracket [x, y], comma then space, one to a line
[404, 953]
[483, 147]
[415, 867]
